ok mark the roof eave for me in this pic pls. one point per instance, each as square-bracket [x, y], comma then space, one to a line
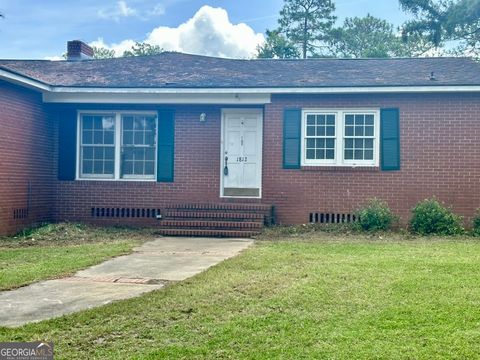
[35, 84]
[18, 79]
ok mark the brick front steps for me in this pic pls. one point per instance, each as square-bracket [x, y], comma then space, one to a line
[218, 220]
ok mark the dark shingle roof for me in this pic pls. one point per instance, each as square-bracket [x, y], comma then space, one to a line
[177, 70]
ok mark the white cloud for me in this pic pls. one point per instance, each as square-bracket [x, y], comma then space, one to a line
[119, 48]
[121, 9]
[125, 10]
[158, 10]
[53, 58]
[208, 32]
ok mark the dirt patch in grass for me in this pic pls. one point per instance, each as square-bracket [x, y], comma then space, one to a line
[70, 233]
[53, 251]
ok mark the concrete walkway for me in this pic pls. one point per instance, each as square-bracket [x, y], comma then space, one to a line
[148, 268]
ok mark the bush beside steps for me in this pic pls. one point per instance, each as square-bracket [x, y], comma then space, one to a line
[432, 217]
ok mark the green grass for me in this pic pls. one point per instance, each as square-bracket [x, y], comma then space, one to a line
[320, 296]
[53, 251]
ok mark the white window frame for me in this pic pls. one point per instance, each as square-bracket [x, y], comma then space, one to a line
[339, 138]
[118, 145]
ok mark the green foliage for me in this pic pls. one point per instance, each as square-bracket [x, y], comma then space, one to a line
[476, 223]
[364, 37]
[103, 53]
[371, 37]
[440, 21]
[277, 46]
[143, 49]
[306, 23]
[306, 30]
[417, 45]
[432, 217]
[375, 216]
[139, 49]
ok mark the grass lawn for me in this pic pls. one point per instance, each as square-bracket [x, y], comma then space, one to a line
[53, 251]
[315, 296]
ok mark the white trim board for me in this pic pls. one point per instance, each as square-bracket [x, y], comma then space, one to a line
[226, 96]
[275, 90]
[156, 98]
[24, 81]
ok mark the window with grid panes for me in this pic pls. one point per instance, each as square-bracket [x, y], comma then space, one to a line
[97, 146]
[320, 137]
[138, 146]
[340, 137]
[359, 136]
[117, 146]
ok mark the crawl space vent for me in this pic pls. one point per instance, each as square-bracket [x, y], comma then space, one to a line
[107, 212]
[20, 213]
[331, 218]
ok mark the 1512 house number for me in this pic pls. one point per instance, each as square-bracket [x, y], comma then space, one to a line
[242, 159]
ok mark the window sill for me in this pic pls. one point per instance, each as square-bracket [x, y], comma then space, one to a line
[341, 168]
[112, 182]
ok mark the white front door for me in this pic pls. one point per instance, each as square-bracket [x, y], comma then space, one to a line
[241, 153]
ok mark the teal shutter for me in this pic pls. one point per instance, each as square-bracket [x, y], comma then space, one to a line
[292, 125]
[67, 145]
[166, 145]
[390, 139]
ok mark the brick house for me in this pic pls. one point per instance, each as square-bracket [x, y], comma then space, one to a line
[200, 145]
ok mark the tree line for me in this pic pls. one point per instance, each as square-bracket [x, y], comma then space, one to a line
[306, 29]
[138, 49]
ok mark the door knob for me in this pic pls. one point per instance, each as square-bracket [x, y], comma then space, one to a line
[225, 169]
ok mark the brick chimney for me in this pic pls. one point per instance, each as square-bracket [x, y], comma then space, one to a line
[77, 51]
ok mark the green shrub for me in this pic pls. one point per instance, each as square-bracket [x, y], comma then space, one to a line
[476, 223]
[432, 217]
[375, 216]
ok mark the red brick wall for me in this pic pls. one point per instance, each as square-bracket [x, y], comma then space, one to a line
[440, 156]
[26, 159]
[197, 170]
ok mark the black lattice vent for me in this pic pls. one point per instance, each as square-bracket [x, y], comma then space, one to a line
[107, 212]
[19, 214]
[331, 218]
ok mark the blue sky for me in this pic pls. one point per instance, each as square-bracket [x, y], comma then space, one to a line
[40, 29]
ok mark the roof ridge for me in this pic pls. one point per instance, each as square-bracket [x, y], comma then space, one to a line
[244, 60]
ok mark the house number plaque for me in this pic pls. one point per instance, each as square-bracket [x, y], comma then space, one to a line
[242, 159]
